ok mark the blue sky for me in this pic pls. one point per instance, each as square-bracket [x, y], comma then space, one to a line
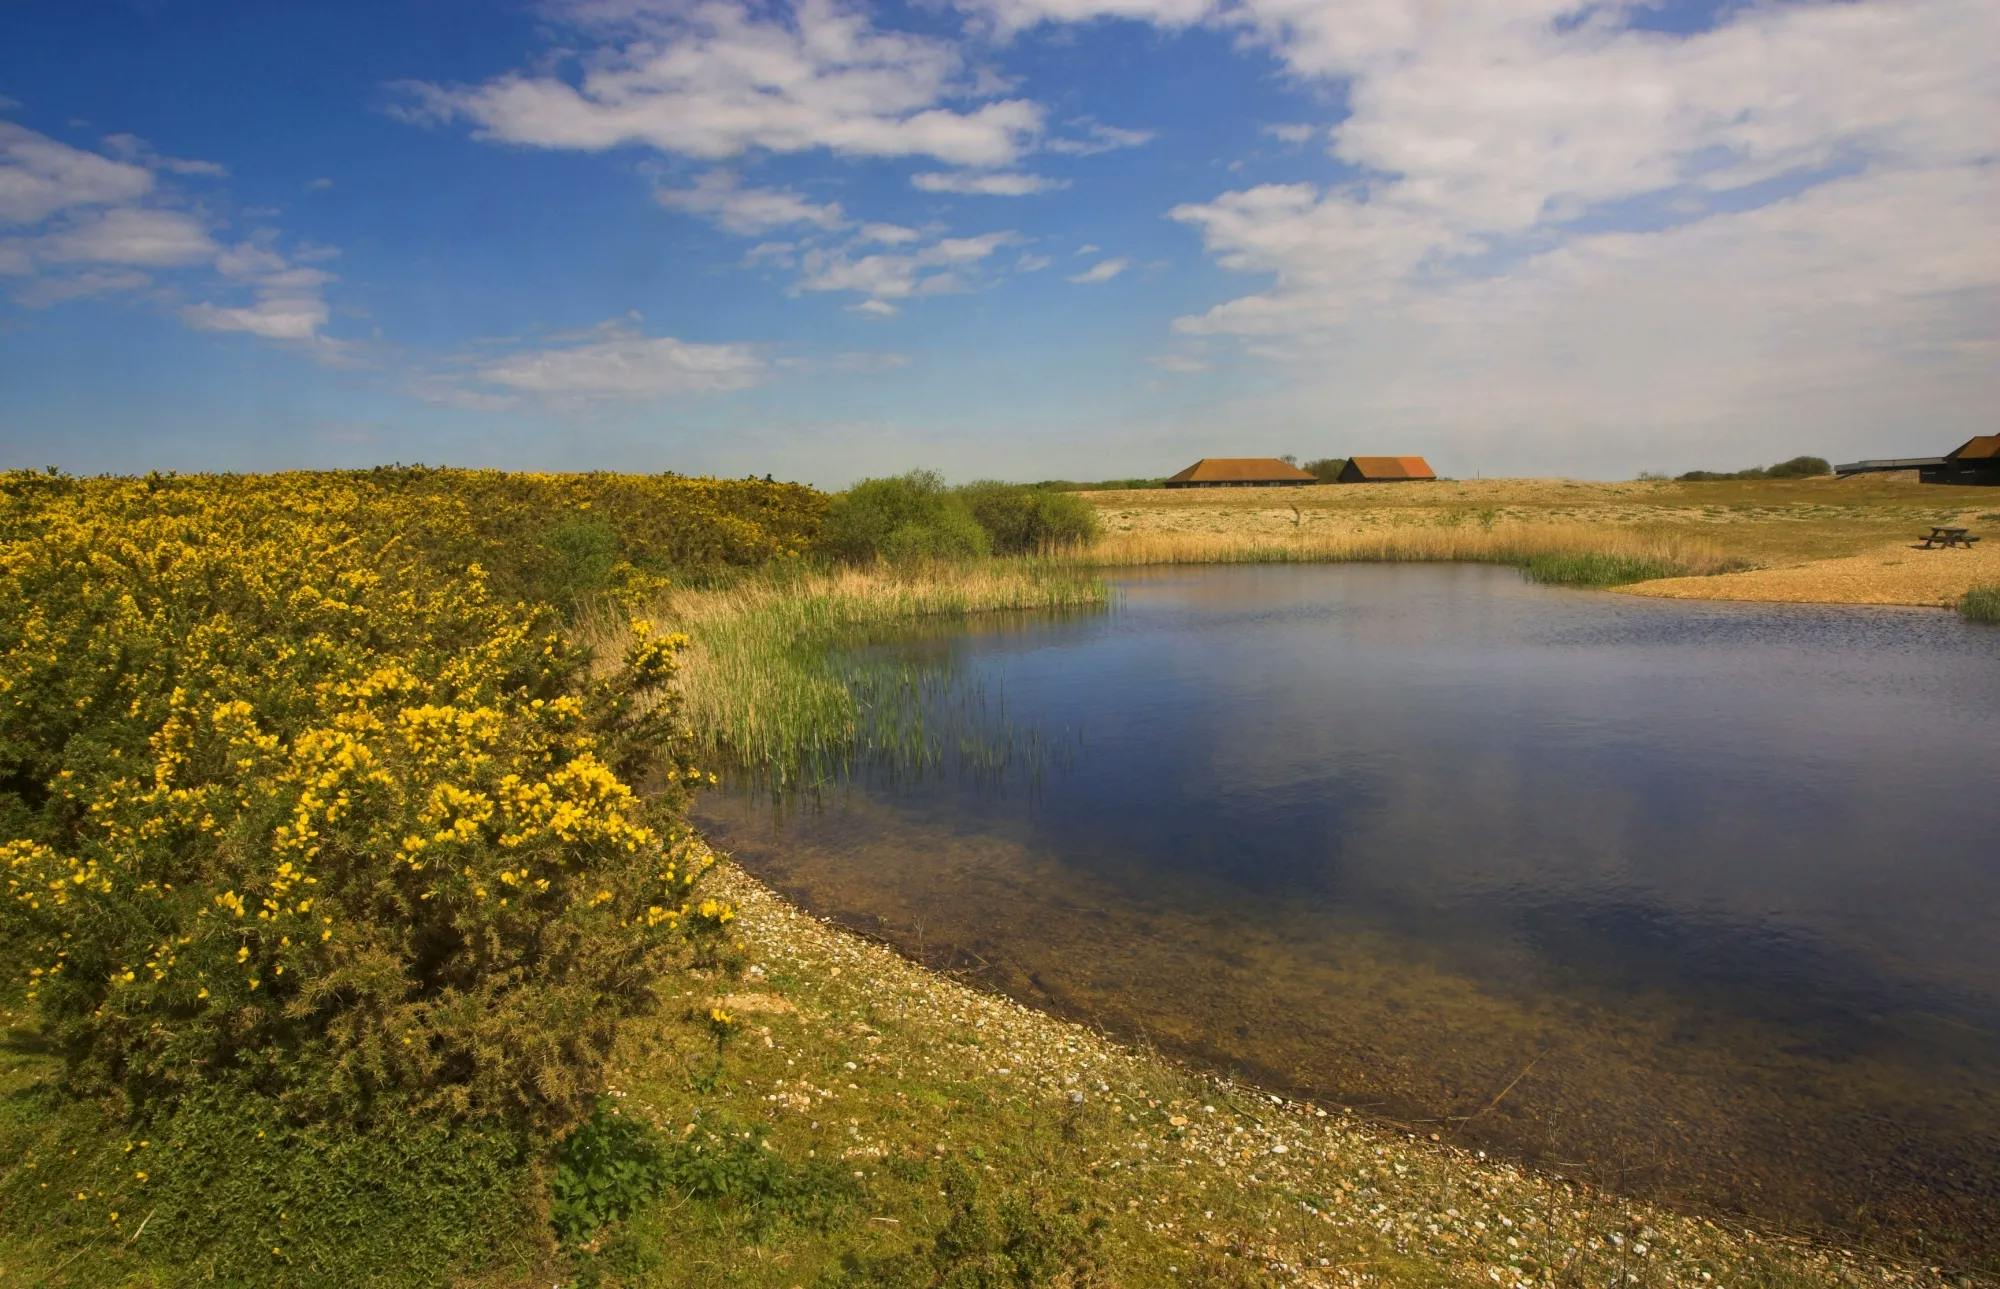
[1020, 238]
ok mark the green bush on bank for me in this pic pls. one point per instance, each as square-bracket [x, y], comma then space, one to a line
[910, 518]
[1020, 520]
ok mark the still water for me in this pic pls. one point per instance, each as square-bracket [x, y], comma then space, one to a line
[1698, 900]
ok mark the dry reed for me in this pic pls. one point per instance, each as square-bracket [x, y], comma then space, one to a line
[1504, 543]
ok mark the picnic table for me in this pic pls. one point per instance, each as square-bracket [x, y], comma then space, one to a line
[1944, 536]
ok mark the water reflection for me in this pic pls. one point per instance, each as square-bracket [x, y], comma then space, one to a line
[1719, 877]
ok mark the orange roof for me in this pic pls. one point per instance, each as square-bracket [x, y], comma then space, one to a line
[1392, 467]
[1982, 447]
[1238, 470]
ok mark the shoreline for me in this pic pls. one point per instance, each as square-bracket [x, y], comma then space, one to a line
[1324, 1196]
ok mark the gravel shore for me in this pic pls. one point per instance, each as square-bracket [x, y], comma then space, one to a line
[1200, 1180]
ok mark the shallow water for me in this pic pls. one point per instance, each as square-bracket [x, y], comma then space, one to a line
[1695, 899]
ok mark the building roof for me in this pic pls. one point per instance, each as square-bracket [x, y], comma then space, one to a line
[1981, 447]
[1392, 467]
[1887, 463]
[1238, 470]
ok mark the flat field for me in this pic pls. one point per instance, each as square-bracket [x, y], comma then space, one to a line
[1810, 540]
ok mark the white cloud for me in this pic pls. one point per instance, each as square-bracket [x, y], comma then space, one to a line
[287, 302]
[46, 291]
[1102, 271]
[1466, 281]
[1291, 131]
[720, 196]
[130, 147]
[1098, 137]
[1088, 248]
[1031, 263]
[1000, 184]
[1011, 16]
[128, 235]
[39, 177]
[874, 309]
[321, 184]
[887, 234]
[621, 363]
[942, 267]
[715, 79]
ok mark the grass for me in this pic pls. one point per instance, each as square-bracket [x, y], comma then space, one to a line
[1558, 552]
[1782, 526]
[1981, 604]
[772, 683]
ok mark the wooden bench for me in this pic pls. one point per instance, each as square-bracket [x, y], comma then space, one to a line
[1944, 538]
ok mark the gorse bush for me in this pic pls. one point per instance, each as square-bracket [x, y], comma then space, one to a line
[292, 804]
[1020, 520]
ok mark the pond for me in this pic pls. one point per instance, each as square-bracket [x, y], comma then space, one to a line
[1695, 900]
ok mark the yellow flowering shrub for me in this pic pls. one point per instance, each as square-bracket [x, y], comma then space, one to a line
[291, 797]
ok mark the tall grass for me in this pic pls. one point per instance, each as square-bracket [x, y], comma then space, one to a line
[771, 683]
[1585, 554]
[1981, 604]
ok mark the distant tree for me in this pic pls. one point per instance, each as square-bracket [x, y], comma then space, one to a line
[1325, 469]
[1289, 459]
[1799, 468]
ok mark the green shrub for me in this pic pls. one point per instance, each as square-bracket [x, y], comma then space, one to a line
[904, 518]
[1020, 520]
[1326, 469]
[579, 555]
[1981, 604]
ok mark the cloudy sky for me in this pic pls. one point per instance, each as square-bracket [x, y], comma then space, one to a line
[1020, 238]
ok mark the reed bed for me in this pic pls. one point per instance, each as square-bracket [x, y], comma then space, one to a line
[1981, 604]
[771, 681]
[1574, 553]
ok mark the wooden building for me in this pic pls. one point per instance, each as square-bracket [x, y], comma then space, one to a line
[1386, 470]
[1240, 472]
[1977, 460]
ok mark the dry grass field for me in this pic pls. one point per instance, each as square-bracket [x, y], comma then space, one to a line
[1819, 540]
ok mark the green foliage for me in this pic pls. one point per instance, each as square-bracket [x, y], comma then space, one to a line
[607, 1168]
[1981, 604]
[580, 554]
[1796, 468]
[227, 1189]
[249, 1196]
[903, 519]
[1020, 520]
[1326, 469]
[1588, 568]
[612, 1166]
[1024, 1238]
